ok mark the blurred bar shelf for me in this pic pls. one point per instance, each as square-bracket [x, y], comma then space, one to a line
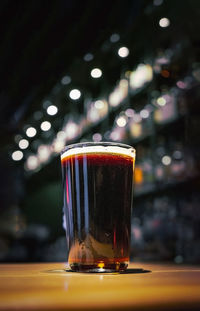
[155, 189]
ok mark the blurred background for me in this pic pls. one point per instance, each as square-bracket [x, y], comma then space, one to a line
[125, 71]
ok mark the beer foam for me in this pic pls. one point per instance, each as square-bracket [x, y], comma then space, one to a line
[99, 149]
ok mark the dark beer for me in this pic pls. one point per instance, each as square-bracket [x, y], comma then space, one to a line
[97, 201]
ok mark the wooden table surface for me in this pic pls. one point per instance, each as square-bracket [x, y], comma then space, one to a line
[142, 287]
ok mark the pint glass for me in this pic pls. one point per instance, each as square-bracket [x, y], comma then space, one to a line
[98, 191]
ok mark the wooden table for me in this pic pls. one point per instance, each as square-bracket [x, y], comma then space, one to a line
[143, 287]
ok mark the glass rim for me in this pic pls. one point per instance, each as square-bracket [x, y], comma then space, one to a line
[100, 143]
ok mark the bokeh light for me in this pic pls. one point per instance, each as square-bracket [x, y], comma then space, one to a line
[31, 132]
[123, 52]
[96, 73]
[17, 155]
[75, 94]
[166, 160]
[164, 22]
[23, 144]
[45, 126]
[52, 110]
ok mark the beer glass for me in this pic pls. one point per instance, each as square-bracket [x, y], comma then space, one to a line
[98, 191]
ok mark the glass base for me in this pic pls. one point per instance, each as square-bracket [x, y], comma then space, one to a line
[98, 268]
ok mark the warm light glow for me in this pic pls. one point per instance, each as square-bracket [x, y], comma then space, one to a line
[121, 121]
[164, 22]
[23, 143]
[96, 73]
[75, 94]
[119, 93]
[65, 80]
[141, 75]
[17, 155]
[144, 113]
[44, 152]
[166, 160]
[138, 175]
[165, 73]
[136, 126]
[52, 110]
[61, 135]
[72, 130]
[45, 126]
[99, 104]
[114, 37]
[101, 265]
[88, 57]
[161, 101]
[32, 162]
[31, 132]
[97, 110]
[123, 51]
[58, 145]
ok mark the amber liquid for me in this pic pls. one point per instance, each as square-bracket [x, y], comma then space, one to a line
[97, 203]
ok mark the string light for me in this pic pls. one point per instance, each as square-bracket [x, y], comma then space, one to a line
[96, 73]
[17, 155]
[45, 126]
[31, 132]
[123, 52]
[23, 144]
[75, 94]
[52, 110]
[164, 22]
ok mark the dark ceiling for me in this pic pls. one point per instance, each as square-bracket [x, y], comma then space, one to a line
[40, 40]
